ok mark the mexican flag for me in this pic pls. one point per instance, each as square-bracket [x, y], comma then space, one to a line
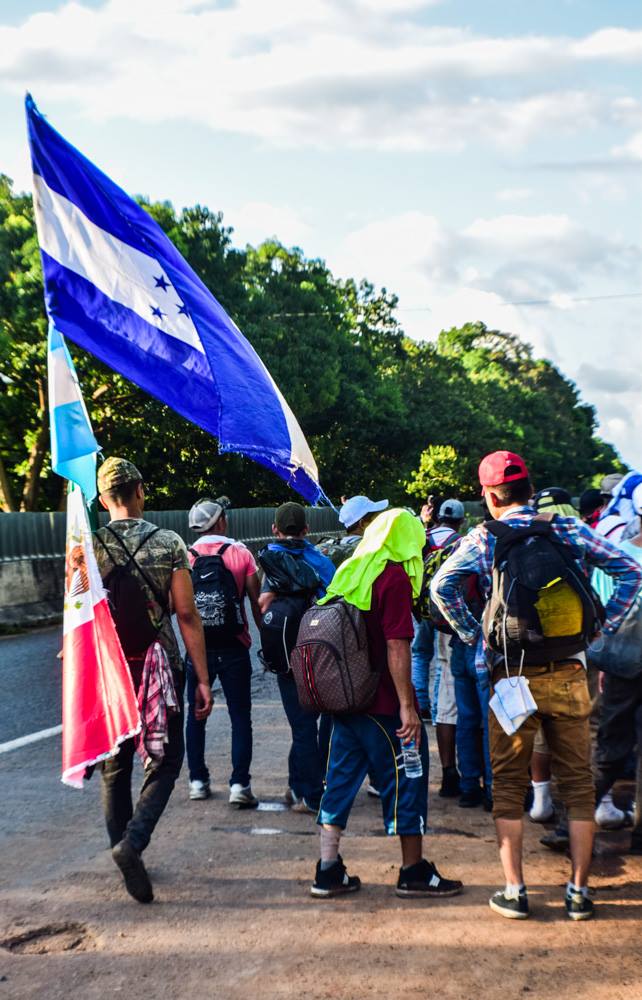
[99, 706]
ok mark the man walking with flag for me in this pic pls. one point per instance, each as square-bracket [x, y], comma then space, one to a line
[146, 571]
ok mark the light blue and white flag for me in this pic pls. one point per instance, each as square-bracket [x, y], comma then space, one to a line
[116, 285]
[73, 445]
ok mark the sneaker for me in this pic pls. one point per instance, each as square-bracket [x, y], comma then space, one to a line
[372, 792]
[558, 840]
[242, 797]
[290, 797]
[471, 799]
[301, 806]
[449, 783]
[200, 790]
[423, 879]
[334, 881]
[578, 906]
[425, 715]
[607, 814]
[515, 908]
[133, 871]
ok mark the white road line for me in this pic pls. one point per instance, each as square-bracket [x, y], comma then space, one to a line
[24, 741]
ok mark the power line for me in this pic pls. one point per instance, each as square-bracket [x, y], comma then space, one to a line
[524, 302]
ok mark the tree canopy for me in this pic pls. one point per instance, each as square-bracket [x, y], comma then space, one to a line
[383, 414]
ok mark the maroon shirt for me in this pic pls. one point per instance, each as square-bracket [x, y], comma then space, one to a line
[390, 617]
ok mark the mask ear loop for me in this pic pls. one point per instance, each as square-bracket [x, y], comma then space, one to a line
[521, 664]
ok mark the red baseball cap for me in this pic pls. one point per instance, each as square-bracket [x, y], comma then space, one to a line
[501, 467]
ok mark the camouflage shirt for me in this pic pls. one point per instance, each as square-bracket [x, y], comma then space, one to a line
[159, 557]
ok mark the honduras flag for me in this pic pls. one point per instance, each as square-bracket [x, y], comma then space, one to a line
[73, 445]
[117, 286]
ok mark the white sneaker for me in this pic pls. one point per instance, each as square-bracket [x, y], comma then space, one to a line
[372, 792]
[242, 797]
[200, 790]
[608, 816]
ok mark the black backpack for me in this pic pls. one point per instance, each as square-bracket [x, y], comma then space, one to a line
[128, 600]
[542, 607]
[295, 584]
[217, 599]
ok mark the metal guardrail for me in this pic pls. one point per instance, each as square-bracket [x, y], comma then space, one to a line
[42, 535]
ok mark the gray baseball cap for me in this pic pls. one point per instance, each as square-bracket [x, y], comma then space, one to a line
[205, 513]
[452, 508]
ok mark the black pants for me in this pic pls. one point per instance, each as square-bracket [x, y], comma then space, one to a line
[137, 825]
[618, 732]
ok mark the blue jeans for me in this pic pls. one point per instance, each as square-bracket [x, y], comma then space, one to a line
[234, 670]
[472, 692]
[306, 765]
[423, 648]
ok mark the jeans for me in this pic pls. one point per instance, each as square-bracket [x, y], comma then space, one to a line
[306, 766]
[618, 733]
[472, 692]
[423, 649]
[122, 820]
[233, 668]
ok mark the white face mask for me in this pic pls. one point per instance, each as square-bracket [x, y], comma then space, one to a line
[512, 703]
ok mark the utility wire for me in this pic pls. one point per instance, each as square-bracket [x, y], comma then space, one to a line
[524, 302]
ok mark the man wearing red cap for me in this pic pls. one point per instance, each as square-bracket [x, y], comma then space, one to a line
[558, 685]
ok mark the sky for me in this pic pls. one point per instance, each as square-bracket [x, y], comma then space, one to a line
[482, 160]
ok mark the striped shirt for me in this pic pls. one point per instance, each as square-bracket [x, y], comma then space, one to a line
[475, 555]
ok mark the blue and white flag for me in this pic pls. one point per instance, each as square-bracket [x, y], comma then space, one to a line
[117, 286]
[73, 445]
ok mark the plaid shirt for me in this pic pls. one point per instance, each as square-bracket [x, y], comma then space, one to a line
[475, 555]
[157, 700]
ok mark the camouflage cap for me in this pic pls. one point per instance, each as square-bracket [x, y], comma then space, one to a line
[116, 471]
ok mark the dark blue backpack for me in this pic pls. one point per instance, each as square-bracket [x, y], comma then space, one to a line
[217, 599]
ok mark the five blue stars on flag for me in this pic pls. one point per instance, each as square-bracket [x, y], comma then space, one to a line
[162, 282]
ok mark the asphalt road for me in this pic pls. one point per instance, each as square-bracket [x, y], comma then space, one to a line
[31, 683]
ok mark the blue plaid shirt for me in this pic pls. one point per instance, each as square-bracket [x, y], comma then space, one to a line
[475, 555]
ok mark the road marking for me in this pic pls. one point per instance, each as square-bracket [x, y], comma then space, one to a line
[24, 741]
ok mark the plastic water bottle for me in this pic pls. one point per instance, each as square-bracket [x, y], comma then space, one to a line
[412, 760]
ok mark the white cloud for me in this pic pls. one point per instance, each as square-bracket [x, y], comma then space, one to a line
[363, 73]
[631, 150]
[446, 277]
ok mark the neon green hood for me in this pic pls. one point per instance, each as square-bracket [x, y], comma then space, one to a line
[394, 536]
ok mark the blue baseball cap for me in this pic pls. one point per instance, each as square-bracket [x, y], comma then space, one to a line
[357, 507]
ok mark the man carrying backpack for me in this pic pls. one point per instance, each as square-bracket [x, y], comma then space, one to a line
[540, 617]
[382, 736]
[146, 572]
[295, 574]
[223, 574]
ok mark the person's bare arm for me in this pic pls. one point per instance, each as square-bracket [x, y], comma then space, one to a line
[191, 626]
[399, 666]
[253, 588]
[265, 599]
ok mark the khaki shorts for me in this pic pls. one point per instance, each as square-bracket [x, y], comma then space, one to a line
[446, 713]
[563, 708]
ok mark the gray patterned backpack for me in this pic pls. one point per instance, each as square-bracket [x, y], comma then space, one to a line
[331, 663]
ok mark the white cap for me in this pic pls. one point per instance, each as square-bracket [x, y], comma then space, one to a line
[452, 508]
[357, 507]
[205, 513]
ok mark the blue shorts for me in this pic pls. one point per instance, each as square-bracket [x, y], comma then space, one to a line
[367, 744]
